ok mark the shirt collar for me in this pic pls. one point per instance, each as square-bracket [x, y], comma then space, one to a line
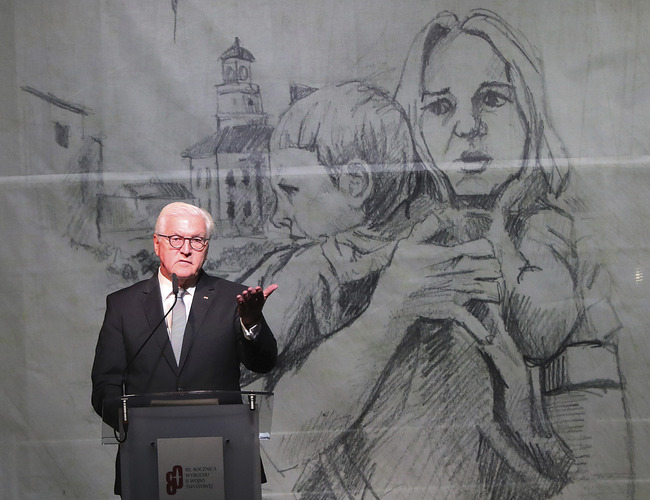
[166, 286]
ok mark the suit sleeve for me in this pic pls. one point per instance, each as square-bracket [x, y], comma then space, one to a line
[108, 366]
[258, 355]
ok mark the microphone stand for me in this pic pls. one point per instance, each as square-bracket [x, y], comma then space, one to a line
[124, 399]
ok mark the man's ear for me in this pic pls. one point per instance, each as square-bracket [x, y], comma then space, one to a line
[156, 244]
[356, 182]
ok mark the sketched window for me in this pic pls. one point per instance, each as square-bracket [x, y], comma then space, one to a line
[229, 74]
[246, 177]
[230, 179]
[247, 209]
[230, 210]
[62, 134]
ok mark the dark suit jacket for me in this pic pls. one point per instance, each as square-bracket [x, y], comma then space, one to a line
[213, 345]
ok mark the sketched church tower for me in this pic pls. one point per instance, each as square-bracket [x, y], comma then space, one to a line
[228, 169]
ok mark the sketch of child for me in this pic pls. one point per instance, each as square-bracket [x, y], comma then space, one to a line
[473, 91]
[347, 188]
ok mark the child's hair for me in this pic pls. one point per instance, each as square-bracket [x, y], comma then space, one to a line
[352, 121]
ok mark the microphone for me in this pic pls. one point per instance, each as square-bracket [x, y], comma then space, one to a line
[125, 419]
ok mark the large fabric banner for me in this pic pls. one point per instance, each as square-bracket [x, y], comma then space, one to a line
[451, 196]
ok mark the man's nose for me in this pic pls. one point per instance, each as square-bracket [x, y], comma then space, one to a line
[186, 248]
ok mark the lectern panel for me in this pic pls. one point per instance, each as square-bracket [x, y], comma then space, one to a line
[235, 425]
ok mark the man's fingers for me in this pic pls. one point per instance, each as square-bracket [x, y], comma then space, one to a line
[255, 295]
[269, 290]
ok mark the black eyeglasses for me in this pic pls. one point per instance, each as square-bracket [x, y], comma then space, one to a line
[177, 242]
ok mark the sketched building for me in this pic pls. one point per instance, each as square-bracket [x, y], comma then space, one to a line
[228, 169]
[54, 128]
[55, 142]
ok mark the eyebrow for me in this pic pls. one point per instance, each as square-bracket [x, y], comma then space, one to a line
[427, 93]
[483, 85]
[505, 85]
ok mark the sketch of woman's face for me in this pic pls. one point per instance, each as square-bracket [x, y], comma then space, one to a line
[307, 201]
[471, 122]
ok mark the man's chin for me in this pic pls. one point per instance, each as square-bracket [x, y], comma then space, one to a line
[186, 275]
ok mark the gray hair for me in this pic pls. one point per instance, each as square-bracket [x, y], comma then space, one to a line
[179, 209]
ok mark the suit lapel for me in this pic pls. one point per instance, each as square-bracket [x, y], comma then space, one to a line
[152, 305]
[204, 294]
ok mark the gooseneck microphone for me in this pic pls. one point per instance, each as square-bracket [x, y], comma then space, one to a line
[125, 373]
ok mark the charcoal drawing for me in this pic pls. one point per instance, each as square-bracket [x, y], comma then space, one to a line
[483, 400]
[437, 281]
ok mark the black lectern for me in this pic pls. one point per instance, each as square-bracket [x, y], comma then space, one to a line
[192, 445]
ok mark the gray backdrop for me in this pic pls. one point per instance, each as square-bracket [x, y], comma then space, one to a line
[102, 105]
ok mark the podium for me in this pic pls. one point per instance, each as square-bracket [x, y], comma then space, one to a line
[191, 445]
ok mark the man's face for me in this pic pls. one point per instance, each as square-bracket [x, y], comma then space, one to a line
[185, 262]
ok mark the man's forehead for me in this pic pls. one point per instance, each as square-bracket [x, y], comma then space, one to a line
[187, 225]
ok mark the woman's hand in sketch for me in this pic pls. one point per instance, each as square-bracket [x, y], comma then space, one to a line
[438, 282]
